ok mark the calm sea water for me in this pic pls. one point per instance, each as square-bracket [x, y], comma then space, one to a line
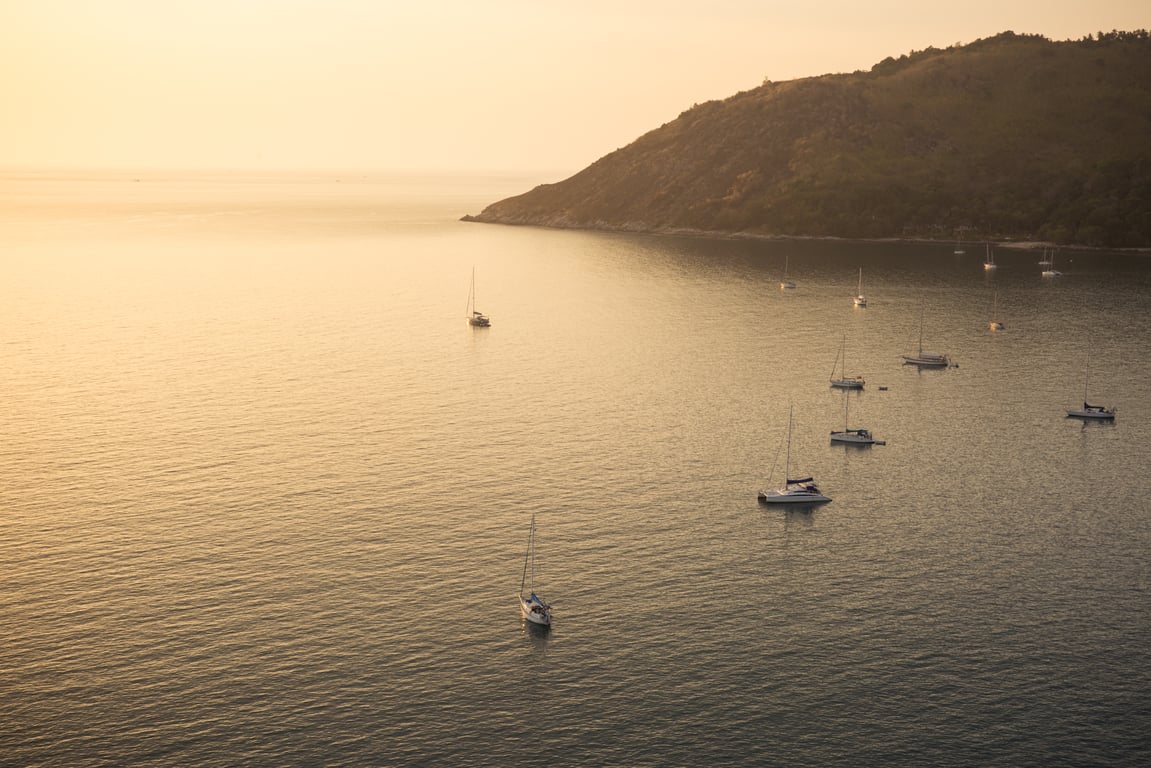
[265, 496]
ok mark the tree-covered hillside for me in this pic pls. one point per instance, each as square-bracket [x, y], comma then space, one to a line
[1013, 136]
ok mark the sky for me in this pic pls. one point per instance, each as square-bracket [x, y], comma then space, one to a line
[435, 85]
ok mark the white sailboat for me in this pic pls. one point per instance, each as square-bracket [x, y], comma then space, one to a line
[801, 491]
[475, 317]
[1051, 271]
[1046, 260]
[859, 300]
[959, 245]
[853, 436]
[844, 381]
[1088, 411]
[532, 608]
[994, 324]
[926, 359]
[785, 283]
[989, 260]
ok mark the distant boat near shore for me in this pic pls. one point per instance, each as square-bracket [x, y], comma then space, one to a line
[785, 283]
[859, 300]
[475, 317]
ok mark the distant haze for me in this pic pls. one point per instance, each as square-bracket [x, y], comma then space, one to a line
[523, 85]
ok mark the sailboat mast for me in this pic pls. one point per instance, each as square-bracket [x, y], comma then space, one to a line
[787, 459]
[524, 578]
[1086, 377]
[921, 312]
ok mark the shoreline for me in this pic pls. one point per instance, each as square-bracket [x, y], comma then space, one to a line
[1019, 245]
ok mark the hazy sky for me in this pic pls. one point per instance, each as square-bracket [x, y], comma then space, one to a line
[536, 85]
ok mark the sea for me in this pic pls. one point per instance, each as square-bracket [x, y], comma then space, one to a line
[265, 495]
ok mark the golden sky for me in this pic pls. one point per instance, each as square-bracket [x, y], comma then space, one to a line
[512, 85]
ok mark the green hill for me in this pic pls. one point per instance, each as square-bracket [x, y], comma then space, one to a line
[1010, 137]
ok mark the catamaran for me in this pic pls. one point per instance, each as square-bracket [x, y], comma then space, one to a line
[801, 491]
[533, 608]
[475, 317]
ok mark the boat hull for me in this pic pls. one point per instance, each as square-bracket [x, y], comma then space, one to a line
[1091, 415]
[536, 613]
[777, 496]
[926, 362]
[847, 383]
[852, 438]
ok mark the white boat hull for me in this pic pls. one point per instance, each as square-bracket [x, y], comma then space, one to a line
[536, 612]
[847, 383]
[791, 496]
[859, 301]
[933, 361]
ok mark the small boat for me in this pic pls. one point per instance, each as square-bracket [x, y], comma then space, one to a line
[1046, 260]
[1088, 411]
[994, 324]
[785, 283]
[959, 245]
[859, 300]
[989, 260]
[532, 608]
[475, 317]
[853, 436]
[926, 359]
[844, 381]
[801, 491]
[1051, 271]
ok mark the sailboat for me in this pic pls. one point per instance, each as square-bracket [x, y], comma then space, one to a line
[1094, 412]
[1051, 271]
[926, 359]
[802, 491]
[844, 381]
[475, 317]
[853, 436]
[859, 300]
[959, 245]
[989, 260]
[1046, 260]
[532, 607]
[994, 324]
[785, 283]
